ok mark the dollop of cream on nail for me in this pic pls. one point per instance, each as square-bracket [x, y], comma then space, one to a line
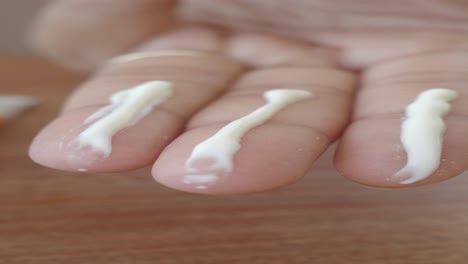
[422, 134]
[214, 156]
[126, 108]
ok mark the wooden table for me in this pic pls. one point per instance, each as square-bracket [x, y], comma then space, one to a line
[49, 216]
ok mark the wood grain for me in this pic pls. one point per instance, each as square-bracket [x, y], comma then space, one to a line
[50, 216]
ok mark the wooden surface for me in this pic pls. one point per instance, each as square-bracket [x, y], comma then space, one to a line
[49, 216]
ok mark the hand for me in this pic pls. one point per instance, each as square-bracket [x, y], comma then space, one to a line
[364, 62]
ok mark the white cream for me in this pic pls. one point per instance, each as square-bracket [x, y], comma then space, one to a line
[422, 134]
[218, 150]
[126, 108]
[200, 178]
[12, 105]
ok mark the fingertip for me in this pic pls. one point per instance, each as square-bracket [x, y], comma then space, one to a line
[56, 146]
[271, 156]
[370, 154]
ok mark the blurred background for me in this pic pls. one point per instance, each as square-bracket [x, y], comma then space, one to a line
[15, 19]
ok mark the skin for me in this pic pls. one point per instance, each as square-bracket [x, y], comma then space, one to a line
[364, 61]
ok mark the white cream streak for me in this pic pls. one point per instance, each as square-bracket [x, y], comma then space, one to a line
[221, 147]
[126, 108]
[12, 105]
[422, 134]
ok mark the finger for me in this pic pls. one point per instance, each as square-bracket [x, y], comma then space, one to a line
[358, 29]
[196, 79]
[370, 151]
[259, 50]
[275, 153]
[81, 34]
[188, 41]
